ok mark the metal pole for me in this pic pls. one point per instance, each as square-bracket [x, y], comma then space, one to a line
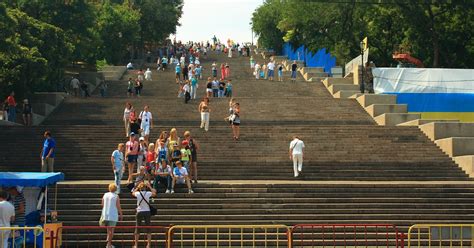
[45, 204]
[362, 86]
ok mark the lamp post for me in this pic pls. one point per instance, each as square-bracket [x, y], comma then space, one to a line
[251, 29]
[361, 83]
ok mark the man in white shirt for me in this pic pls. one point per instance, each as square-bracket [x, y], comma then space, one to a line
[146, 123]
[271, 70]
[148, 74]
[7, 216]
[75, 86]
[296, 154]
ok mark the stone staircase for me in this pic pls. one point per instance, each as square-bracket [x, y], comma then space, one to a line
[354, 170]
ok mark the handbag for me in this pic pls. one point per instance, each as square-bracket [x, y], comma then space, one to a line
[153, 210]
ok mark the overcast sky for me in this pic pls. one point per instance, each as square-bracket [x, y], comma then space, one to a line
[202, 19]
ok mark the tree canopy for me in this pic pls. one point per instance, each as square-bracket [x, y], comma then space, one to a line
[42, 37]
[438, 32]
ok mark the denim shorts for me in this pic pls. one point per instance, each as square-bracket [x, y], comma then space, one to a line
[132, 158]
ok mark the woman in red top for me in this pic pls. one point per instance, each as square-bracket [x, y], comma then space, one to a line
[222, 71]
[227, 71]
[150, 161]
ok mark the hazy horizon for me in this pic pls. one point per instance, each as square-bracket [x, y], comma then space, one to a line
[202, 19]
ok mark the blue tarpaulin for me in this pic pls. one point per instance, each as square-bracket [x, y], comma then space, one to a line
[322, 58]
[29, 179]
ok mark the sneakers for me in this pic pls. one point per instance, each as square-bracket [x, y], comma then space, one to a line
[190, 191]
[167, 191]
[172, 191]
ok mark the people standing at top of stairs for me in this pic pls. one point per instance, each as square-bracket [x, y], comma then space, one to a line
[75, 86]
[111, 212]
[177, 70]
[280, 72]
[48, 153]
[27, 113]
[271, 70]
[257, 71]
[294, 67]
[205, 111]
[264, 72]
[297, 154]
[148, 74]
[369, 77]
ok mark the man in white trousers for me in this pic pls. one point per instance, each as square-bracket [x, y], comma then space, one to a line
[296, 154]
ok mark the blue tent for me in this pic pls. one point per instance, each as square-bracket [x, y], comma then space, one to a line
[29, 179]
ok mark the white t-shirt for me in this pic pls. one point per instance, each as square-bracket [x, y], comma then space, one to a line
[143, 206]
[297, 146]
[109, 210]
[146, 118]
[186, 88]
[7, 210]
[148, 74]
[271, 66]
[75, 83]
[126, 113]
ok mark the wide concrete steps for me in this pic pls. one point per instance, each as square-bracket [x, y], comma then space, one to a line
[282, 203]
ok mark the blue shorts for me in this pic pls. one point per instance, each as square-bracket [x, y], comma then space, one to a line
[270, 73]
[293, 74]
[280, 73]
[132, 158]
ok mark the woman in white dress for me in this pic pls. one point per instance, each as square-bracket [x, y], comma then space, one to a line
[126, 117]
[111, 212]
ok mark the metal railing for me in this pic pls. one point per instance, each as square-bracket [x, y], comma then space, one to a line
[20, 236]
[441, 235]
[229, 236]
[346, 235]
[95, 236]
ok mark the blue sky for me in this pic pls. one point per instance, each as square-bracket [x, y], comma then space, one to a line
[203, 19]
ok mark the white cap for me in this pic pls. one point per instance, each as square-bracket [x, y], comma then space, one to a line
[141, 138]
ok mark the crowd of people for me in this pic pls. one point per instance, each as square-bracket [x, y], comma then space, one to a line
[9, 110]
[267, 71]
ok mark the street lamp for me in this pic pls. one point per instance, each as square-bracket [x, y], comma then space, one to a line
[251, 29]
[361, 84]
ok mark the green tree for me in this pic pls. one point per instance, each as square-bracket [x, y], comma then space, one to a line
[265, 21]
[33, 53]
[118, 28]
[76, 17]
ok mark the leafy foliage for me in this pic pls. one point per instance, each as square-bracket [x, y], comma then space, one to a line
[41, 37]
[437, 32]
